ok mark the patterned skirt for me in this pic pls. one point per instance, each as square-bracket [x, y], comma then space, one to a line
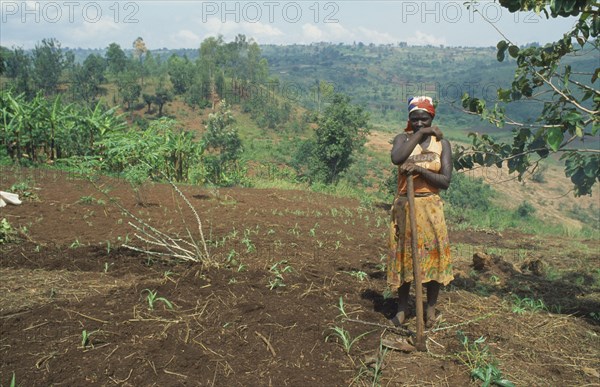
[433, 247]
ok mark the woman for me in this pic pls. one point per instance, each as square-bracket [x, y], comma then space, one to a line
[423, 153]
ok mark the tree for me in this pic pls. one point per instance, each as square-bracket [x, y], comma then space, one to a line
[181, 73]
[4, 54]
[116, 59]
[342, 130]
[129, 88]
[222, 147]
[161, 97]
[88, 78]
[570, 112]
[18, 68]
[47, 65]
[148, 100]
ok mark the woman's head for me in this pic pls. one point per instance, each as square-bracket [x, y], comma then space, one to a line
[420, 113]
[419, 119]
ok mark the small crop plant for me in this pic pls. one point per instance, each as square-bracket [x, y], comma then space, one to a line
[374, 371]
[344, 338]
[75, 244]
[278, 269]
[480, 361]
[7, 232]
[358, 274]
[153, 299]
[24, 190]
[107, 266]
[522, 305]
[85, 339]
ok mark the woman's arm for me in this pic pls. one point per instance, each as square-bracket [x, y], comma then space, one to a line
[403, 146]
[440, 180]
[405, 143]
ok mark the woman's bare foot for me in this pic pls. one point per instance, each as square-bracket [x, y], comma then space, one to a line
[430, 317]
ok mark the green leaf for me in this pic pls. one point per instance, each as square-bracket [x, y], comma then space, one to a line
[568, 5]
[513, 51]
[596, 72]
[502, 46]
[503, 95]
[592, 168]
[555, 138]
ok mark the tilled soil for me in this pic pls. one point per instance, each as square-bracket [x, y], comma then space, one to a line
[76, 306]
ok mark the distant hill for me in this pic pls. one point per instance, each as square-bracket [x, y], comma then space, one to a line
[382, 77]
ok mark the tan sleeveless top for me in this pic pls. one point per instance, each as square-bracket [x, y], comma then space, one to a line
[428, 158]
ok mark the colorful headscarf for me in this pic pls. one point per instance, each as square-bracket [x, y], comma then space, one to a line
[420, 103]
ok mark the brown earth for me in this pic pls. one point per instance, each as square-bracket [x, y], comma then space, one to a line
[238, 325]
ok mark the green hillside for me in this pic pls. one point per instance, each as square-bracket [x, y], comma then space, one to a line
[104, 101]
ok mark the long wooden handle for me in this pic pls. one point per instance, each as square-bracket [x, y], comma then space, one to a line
[420, 339]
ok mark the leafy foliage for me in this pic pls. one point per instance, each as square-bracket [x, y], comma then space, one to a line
[571, 105]
[222, 147]
[48, 62]
[342, 131]
[476, 355]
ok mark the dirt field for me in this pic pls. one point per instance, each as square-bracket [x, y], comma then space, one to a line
[75, 308]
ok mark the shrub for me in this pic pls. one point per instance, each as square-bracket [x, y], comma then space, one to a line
[525, 210]
[468, 193]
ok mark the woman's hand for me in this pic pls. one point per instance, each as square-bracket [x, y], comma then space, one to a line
[432, 130]
[410, 169]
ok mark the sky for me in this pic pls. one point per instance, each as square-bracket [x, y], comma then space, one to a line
[185, 24]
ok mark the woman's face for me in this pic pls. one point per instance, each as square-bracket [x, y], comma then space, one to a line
[420, 119]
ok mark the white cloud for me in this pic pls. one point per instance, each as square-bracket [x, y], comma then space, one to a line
[185, 38]
[261, 32]
[337, 32]
[311, 33]
[86, 34]
[421, 39]
[373, 36]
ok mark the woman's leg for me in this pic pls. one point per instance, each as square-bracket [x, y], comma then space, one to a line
[433, 291]
[403, 293]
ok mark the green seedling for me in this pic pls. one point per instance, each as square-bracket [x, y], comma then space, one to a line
[250, 248]
[75, 244]
[344, 337]
[7, 233]
[152, 299]
[359, 274]
[483, 366]
[85, 339]
[375, 370]
[521, 305]
[278, 268]
[87, 200]
[388, 294]
[276, 282]
[294, 230]
[107, 266]
[341, 308]
[382, 265]
[313, 230]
